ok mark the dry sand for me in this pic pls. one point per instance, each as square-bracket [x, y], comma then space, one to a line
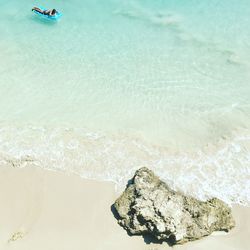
[45, 210]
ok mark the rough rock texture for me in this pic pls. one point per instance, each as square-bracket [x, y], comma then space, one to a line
[149, 206]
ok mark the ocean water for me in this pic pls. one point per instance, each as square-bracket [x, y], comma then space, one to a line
[120, 84]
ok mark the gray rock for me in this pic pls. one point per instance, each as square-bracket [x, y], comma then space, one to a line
[149, 206]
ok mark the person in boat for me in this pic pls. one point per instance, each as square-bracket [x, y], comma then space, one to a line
[51, 12]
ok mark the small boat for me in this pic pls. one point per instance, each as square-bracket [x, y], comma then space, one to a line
[54, 17]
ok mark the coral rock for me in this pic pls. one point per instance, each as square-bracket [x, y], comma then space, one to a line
[149, 206]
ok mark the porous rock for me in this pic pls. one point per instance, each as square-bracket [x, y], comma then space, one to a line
[149, 206]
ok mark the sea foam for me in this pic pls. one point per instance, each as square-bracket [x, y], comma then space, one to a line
[221, 170]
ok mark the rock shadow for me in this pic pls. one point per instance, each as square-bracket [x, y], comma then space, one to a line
[114, 212]
[150, 239]
[129, 182]
[147, 238]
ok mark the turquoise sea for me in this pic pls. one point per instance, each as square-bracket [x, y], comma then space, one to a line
[119, 84]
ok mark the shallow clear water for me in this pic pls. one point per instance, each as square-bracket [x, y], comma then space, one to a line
[115, 85]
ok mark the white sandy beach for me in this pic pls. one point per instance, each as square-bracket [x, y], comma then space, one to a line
[42, 209]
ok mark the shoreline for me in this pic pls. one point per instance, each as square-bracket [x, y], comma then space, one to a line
[43, 209]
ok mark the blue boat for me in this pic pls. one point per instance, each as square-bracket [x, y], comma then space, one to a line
[54, 17]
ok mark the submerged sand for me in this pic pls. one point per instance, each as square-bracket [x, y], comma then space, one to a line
[42, 209]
